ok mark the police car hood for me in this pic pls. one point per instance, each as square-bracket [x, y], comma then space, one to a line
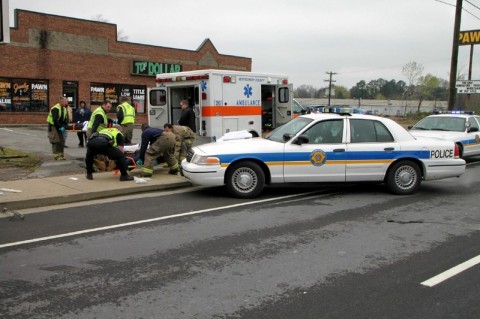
[249, 145]
[441, 135]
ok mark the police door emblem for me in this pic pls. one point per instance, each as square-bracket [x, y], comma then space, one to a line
[318, 157]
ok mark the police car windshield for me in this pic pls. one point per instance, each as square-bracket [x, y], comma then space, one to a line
[441, 123]
[291, 128]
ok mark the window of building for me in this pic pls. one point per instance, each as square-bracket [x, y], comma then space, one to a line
[113, 92]
[23, 95]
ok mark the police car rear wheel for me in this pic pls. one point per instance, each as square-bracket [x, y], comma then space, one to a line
[404, 178]
[245, 180]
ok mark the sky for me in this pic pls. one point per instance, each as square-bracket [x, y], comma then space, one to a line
[304, 39]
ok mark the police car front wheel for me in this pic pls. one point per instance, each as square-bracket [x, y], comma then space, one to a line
[404, 178]
[245, 180]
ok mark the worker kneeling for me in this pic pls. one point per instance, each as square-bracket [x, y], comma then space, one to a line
[163, 145]
[108, 142]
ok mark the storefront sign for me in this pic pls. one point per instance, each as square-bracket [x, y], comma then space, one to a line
[154, 68]
[469, 37]
[25, 95]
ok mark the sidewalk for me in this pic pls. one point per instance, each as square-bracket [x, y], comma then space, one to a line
[46, 191]
[61, 182]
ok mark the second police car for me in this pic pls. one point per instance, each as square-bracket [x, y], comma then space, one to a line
[324, 147]
[458, 126]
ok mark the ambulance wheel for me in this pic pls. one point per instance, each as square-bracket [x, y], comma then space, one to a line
[245, 180]
[403, 178]
[254, 133]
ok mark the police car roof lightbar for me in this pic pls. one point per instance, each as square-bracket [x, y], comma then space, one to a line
[454, 112]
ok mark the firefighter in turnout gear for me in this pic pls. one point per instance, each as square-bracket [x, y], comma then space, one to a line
[99, 120]
[160, 143]
[184, 138]
[57, 121]
[126, 118]
[108, 142]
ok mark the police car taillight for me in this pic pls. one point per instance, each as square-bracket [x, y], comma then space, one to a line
[457, 151]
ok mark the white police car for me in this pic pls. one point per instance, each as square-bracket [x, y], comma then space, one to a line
[324, 147]
[460, 127]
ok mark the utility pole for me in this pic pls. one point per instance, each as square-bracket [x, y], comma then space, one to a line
[453, 66]
[330, 85]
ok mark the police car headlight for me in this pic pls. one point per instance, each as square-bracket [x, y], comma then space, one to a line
[205, 160]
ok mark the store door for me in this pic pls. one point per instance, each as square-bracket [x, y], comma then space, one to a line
[70, 90]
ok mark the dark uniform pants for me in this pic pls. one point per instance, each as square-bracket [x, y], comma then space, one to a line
[101, 145]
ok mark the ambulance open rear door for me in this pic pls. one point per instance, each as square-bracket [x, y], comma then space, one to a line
[158, 113]
[283, 104]
[197, 109]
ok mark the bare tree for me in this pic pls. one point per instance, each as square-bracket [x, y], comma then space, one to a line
[412, 71]
[121, 36]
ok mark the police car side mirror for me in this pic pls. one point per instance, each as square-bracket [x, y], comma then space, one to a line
[472, 129]
[410, 127]
[302, 139]
[287, 137]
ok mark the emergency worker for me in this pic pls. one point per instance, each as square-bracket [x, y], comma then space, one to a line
[157, 142]
[99, 120]
[108, 142]
[184, 138]
[126, 118]
[187, 117]
[57, 122]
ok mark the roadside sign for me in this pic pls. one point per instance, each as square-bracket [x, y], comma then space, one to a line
[468, 87]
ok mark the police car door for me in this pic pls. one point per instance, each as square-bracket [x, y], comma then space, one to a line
[370, 150]
[473, 127]
[157, 107]
[321, 155]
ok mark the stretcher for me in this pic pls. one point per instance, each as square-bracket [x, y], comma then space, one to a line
[77, 127]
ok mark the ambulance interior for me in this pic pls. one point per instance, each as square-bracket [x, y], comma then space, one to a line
[177, 94]
[268, 107]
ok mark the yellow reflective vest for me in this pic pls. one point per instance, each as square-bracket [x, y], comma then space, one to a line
[98, 110]
[110, 133]
[50, 116]
[128, 113]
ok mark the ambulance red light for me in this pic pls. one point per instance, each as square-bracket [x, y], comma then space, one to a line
[285, 82]
[227, 79]
[204, 96]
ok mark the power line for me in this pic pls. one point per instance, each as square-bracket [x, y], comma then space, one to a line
[472, 4]
[449, 4]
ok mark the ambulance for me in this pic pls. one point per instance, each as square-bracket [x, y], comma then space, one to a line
[223, 101]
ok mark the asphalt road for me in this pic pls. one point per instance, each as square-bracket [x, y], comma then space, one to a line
[350, 251]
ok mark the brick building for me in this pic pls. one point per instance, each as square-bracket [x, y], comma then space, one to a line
[51, 56]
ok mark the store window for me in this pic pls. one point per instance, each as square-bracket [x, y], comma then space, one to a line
[23, 95]
[112, 92]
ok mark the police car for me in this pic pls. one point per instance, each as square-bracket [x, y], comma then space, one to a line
[460, 127]
[324, 147]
